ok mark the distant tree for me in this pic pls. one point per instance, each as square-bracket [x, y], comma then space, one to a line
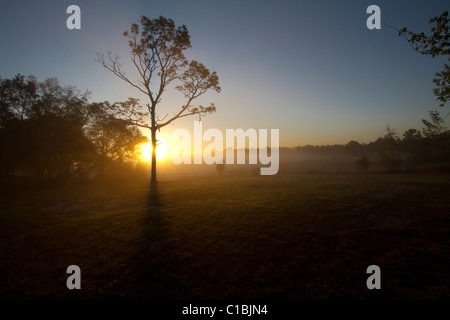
[436, 139]
[436, 44]
[412, 135]
[388, 150]
[431, 146]
[114, 141]
[41, 127]
[413, 145]
[363, 164]
[56, 135]
[157, 48]
[354, 147]
[435, 126]
[17, 96]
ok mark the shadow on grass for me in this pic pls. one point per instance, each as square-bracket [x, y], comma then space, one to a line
[156, 263]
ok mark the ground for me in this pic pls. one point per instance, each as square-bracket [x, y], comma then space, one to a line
[294, 236]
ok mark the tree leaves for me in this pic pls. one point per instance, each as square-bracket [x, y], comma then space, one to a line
[437, 44]
[157, 52]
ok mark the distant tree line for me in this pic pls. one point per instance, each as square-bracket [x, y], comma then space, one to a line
[49, 131]
[425, 148]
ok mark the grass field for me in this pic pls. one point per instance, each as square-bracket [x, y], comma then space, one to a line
[292, 236]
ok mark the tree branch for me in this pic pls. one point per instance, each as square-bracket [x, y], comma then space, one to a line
[114, 67]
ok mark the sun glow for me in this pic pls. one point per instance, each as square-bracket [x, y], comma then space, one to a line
[146, 151]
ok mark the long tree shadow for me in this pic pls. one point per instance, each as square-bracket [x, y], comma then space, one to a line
[156, 261]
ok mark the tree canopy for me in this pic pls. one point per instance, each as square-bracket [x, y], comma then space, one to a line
[49, 131]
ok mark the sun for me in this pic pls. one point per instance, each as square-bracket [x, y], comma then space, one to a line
[146, 151]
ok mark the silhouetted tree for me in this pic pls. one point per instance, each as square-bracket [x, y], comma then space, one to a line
[17, 96]
[413, 145]
[353, 147]
[435, 127]
[431, 147]
[157, 48]
[388, 147]
[437, 44]
[114, 141]
[436, 139]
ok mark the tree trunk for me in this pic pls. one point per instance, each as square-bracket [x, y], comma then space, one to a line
[153, 174]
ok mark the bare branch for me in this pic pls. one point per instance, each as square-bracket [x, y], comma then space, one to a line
[114, 66]
[133, 123]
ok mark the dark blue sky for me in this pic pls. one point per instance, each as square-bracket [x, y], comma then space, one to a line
[309, 68]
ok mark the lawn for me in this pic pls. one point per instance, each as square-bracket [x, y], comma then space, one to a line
[291, 236]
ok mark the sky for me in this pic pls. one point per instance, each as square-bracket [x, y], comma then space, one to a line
[311, 69]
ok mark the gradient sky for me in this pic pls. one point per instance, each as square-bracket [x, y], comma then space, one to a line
[309, 68]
